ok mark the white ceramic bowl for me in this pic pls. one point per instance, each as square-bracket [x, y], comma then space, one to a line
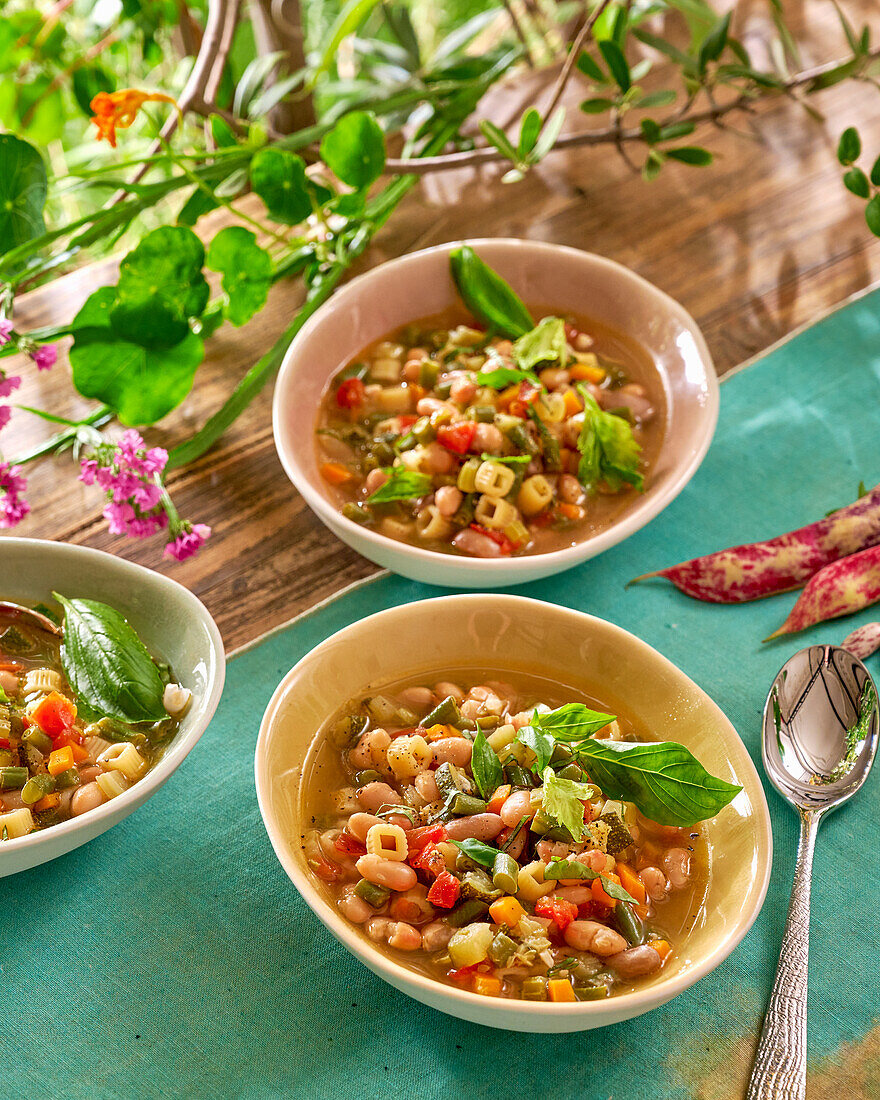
[510, 634]
[172, 623]
[549, 276]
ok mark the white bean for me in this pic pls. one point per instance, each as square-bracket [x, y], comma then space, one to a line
[86, 798]
[516, 806]
[476, 543]
[404, 937]
[9, 682]
[375, 480]
[476, 827]
[352, 907]
[426, 785]
[677, 865]
[452, 750]
[576, 894]
[589, 935]
[636, 962]
[569, 489]
[378, 928]
[436, 935]
[487, 438]
[447, 498]
[654, 882]
[384, 872]
[421, 698]
[371, 750]
[360, 824]
[375, 795]
[437, 460]
[446, 688]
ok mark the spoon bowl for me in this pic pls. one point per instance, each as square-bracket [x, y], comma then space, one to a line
[819, 742]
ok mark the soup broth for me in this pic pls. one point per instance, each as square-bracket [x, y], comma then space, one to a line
[495, 924]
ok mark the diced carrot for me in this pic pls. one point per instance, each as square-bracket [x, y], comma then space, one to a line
[631, 882]
[61, 760]
[508, 395]
[80, 752]
[498, 799]
[48, 802]
[506, 911]
[583, 372]
[417, 391]
[573, 403]
[487, 985]
[517, 408]
[561, 989]
[662, 947]
[336, 473]
[599, 894]
[571, 511]
[11, 666]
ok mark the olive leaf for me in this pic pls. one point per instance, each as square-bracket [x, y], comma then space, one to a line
[354, 150]
[142, 384]
[246, 270]
[279, 178]
[22, 193]
[161, 286]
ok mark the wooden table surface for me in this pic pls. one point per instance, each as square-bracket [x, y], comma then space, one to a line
[762, 242]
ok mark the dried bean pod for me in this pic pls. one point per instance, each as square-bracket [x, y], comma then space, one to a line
[839, 589]
[758, 569]
[863, 641]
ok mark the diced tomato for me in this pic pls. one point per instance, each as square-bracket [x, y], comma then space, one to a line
[351, 393]
[457, 437]
[496, 536]
[11, 666]
[324, 869]
[349, 844]
[4, 742]
[426, 834]
[542, 519]
[588, 910]
[54, 714]
[26, 722]
[463, 975]
[70, 737]
[558, 910]
[406, 421]
[445, 891]
[429, 859]
[528, 393]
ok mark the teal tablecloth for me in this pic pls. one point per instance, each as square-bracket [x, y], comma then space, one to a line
[172, 958]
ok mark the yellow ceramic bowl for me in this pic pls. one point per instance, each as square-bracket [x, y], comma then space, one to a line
[510, 634]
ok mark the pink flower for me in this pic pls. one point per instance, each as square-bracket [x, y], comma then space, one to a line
[129, 475]
[13, 507]
[6, 327]
[5, 414]
[188, 542]
[7, 384]
[45, 357]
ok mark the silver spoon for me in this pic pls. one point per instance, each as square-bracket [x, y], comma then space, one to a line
[819, 740]
[16, 611]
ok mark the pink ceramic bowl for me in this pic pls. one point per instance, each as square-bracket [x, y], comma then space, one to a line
[414, 286]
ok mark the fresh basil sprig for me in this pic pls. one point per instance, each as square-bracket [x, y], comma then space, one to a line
[481, 853]
[664, 779]
[402, 484]
[571, 722]
[485, 766]
[499, 378]
[542, 744]
[564, 801]
[571, 868]
[107, 665]
[489, 298]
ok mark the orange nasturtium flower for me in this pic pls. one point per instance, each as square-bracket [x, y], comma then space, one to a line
[112, 109]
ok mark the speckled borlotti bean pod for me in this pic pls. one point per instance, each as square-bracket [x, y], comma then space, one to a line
[839, 589]
[759, 569]
[863, 641]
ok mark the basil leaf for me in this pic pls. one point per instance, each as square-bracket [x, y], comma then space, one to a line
[107, 664]
[487, 295]
[544, 344]
[571, 868]
[391, 810]
[502, 377]
[563, 801]
[572, 722]
[540, 742]
[662, 778]
[402, 484]
[609, 452]
[485, 766]
[479, 852]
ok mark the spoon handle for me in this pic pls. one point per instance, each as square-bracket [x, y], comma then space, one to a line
[780, 1071]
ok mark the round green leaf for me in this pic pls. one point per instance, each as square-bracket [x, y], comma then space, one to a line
[142, 384]
[856, 181]
[279, 178]
[849, 148]
[355, 149]
[161, 286]
[872, 215]
[246, 269]
[22, 192]
[875, 173]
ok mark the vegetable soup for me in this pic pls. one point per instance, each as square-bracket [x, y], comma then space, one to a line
[510, 839]
[85, 712]
[482, 433]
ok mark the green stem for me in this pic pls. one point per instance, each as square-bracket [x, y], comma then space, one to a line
[97, 419]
